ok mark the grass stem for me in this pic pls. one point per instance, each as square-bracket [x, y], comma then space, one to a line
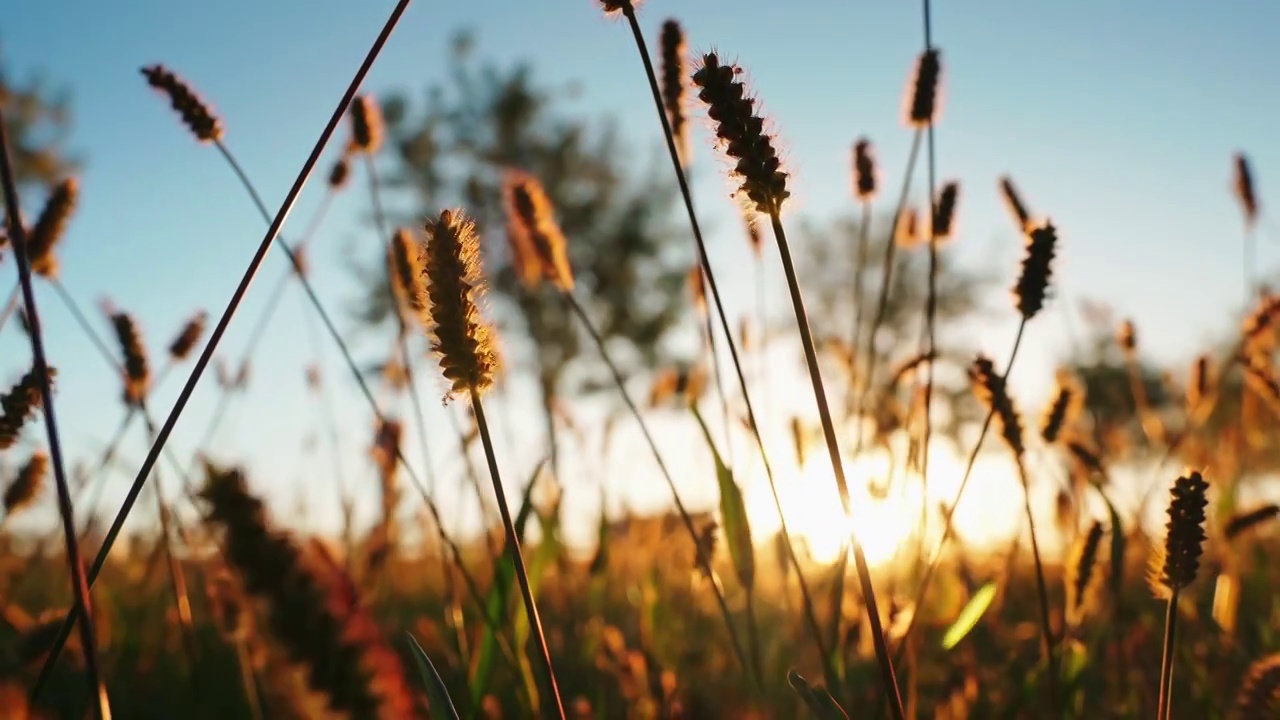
[517, 558]
[888, 681]
[83, 604]
[206, 355]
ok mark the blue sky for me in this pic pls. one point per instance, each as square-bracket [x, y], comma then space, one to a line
[1118, 120]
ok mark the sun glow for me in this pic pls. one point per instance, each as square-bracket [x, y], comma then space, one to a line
[886, 503]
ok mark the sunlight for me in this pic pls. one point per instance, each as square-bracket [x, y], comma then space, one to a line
[886, 516]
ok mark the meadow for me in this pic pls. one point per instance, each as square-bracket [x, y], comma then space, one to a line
[832, 578]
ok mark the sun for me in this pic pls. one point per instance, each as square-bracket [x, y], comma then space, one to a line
[886, 503]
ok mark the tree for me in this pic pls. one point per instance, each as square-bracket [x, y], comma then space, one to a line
[37, 123]
[828, 265]
[630, 276]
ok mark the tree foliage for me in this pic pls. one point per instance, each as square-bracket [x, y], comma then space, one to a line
[453, 150]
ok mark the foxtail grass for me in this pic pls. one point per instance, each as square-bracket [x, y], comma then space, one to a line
[466, 348]
[532, 225]
[206, 354]
[42, 377]
[762, 185]
[1029, 295]
[1175, 564]
[991, 389]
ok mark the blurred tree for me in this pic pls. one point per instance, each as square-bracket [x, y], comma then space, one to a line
[827, 266]
[630, 275]
[37, 122]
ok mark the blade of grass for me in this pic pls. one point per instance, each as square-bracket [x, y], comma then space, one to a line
[970, 615]
[441, 706]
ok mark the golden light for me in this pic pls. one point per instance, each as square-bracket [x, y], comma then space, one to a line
[887, 507]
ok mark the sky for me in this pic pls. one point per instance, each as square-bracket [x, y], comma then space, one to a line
[1117, 120]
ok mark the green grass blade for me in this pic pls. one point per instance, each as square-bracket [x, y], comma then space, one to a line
[816, 698]
[733, 514]
[441, 706]
[496, 605]
[970, 615]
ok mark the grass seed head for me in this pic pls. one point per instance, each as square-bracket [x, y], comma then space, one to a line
[27, 484]
[1013, 201]
[740, 134]
[1242, 522]
[1082, 571]
[923, 102]
[535, 235]
[1127, 338]
[697, 291]
[137, 371]
[196, 114]
[616, 7]
[340, 173]
[906, 231]
[1200, 385]
[990, 388]
[463, 340]
[18, 405]
[944, 212]
[864, 170]
[1037, 266]
[1259, 696]
[51, 225]
[674, 90]
[404, 268]
[366, 125]
[188, 337]
[1184, 536]
[313, 610]
[1063, 410]
[1245, 192]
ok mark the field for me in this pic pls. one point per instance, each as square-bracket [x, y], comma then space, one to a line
[1114, 557]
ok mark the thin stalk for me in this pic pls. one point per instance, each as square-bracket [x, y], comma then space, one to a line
[10, 305]
[855, 341]
[886, 281]
[705, 259]
[247, 680]
[473, 475]
[1042, 590]
[1166, 660]
[83, 604]
[255, 337]
[326, 412]
[206, 355]
[887, 679]
[709, 338]
[947, 525]
[517, 559]
[384, 230]
[931, 305]
[177, 583]
[703, 560]
[107, 455]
